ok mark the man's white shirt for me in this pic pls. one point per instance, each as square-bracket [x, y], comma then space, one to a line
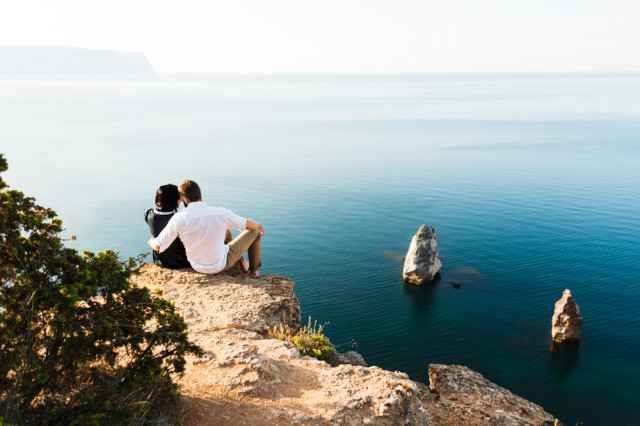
[202, 229]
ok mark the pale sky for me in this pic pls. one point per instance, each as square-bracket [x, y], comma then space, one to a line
[340, 36]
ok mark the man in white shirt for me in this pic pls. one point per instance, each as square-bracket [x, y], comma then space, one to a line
[202, 229]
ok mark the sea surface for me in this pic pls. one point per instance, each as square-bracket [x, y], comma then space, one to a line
[532, 182]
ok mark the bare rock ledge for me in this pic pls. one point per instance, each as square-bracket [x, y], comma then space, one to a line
[246, 378]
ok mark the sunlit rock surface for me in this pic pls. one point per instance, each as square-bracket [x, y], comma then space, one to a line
[567, 320]
[476, 400]
[247, 378]
[422, 263]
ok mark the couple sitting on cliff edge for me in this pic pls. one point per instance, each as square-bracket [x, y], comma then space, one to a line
[199, 235]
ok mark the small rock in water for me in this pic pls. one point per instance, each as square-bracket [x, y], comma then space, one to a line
[567, 320]
[422, 263]
[455, 285]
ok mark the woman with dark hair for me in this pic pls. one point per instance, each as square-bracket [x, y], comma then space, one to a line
[167, 202]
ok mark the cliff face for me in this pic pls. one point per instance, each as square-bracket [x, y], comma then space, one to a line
[70, 60]
[247, 378]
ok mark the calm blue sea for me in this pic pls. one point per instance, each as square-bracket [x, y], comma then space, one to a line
[531, 180]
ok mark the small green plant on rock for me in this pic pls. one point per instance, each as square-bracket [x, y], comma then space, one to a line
[310, 341]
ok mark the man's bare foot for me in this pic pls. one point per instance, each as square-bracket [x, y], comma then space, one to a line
[254, 274]
[245, 266]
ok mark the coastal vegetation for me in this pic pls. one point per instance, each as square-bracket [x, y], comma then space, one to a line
[79, 343]
[309, 340]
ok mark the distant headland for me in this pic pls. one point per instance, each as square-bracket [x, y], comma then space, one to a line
[71, 60]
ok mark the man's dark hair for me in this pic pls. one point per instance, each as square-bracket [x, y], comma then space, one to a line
[167, 197]
[190, 190]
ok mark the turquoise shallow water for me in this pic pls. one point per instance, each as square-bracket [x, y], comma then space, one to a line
[532, 182]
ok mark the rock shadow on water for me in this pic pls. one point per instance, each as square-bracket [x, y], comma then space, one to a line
[525, 336]
[465, 275]
[563, 359]
[422, 297]
[396, 257]
[461, 277]
[524, 345]
[467, 272]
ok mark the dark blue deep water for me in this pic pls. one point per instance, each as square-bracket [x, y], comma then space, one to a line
[532, 182]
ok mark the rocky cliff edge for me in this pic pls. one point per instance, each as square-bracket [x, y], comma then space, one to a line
[246, 378]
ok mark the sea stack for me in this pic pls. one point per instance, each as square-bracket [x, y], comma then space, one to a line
[422, 263]
[566, 321]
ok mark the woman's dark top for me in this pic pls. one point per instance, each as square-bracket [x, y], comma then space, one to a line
[175, 256]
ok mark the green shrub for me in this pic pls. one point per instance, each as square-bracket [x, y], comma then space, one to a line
[309, 341]
[79, 344]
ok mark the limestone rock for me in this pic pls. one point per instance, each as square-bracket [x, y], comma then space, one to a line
[351, 357]
[567, 320]
[422, 263]
[247, 378]
[477, 400]
[291, 388]
[221, 301]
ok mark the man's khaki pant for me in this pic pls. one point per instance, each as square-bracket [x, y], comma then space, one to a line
[246, 241]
